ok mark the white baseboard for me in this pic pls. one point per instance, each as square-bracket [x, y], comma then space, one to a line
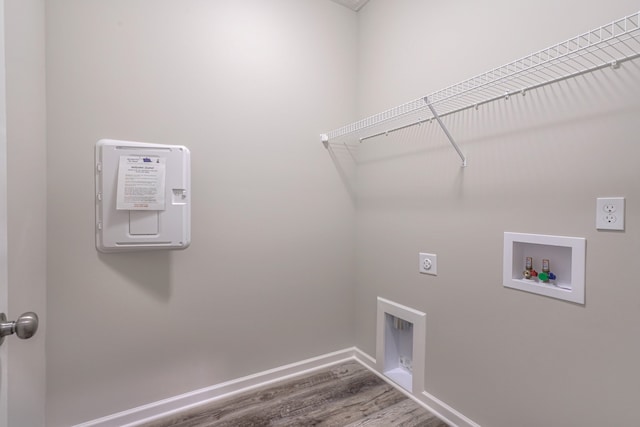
[426, 400]
[364, 359]
[437, 406]
[163, 408]
[153, 411]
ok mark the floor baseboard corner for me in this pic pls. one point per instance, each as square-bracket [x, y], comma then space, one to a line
[434, 405]
[170, 406]
[156, 410]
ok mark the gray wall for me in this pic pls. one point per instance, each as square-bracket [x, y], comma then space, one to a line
[248, 87]
[26, 203]
[536, 165]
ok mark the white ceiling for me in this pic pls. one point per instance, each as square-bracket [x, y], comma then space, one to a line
[352, 4]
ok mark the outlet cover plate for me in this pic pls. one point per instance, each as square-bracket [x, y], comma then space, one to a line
[610, 213]
[428, 264]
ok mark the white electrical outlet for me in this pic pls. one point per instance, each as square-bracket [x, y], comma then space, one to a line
[406, 363]
[610, 213]
[428, 264]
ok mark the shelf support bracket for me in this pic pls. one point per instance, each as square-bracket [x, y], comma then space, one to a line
[446, 132]
[325, 140]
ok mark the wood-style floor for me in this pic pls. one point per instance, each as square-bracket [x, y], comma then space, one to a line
[343, 395]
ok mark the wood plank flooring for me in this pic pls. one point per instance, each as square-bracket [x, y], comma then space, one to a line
[344, 395]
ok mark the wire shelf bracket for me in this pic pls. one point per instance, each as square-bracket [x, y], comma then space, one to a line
[446, 132]
[607, 46]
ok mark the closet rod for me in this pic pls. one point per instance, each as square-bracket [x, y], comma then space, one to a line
[613, 64]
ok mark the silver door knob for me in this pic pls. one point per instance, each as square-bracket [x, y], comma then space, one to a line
[24, 327]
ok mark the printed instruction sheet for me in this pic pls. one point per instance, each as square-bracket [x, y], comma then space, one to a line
[141, 183]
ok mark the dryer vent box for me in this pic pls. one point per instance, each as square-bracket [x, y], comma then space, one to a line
[143, 196]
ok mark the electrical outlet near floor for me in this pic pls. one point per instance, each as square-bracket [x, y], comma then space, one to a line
[610, 213]
[428, 264]
[406, 363]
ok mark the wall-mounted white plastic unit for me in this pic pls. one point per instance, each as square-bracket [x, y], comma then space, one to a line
[553, 266]
[400, 344]
[143, 196]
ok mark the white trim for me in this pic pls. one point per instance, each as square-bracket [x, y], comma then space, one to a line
[4, 279]
[432, 404]
[167, 407]
[567, 254]
[365, 359]
[418, 319]
[453, 417]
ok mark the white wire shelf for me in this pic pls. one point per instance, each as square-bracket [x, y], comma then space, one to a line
[606, 46]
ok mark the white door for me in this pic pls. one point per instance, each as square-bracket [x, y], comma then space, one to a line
[21, 386]
[4, 290]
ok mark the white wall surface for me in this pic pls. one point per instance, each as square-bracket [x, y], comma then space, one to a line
[26, 204]
[536, 165]
[248, 87]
